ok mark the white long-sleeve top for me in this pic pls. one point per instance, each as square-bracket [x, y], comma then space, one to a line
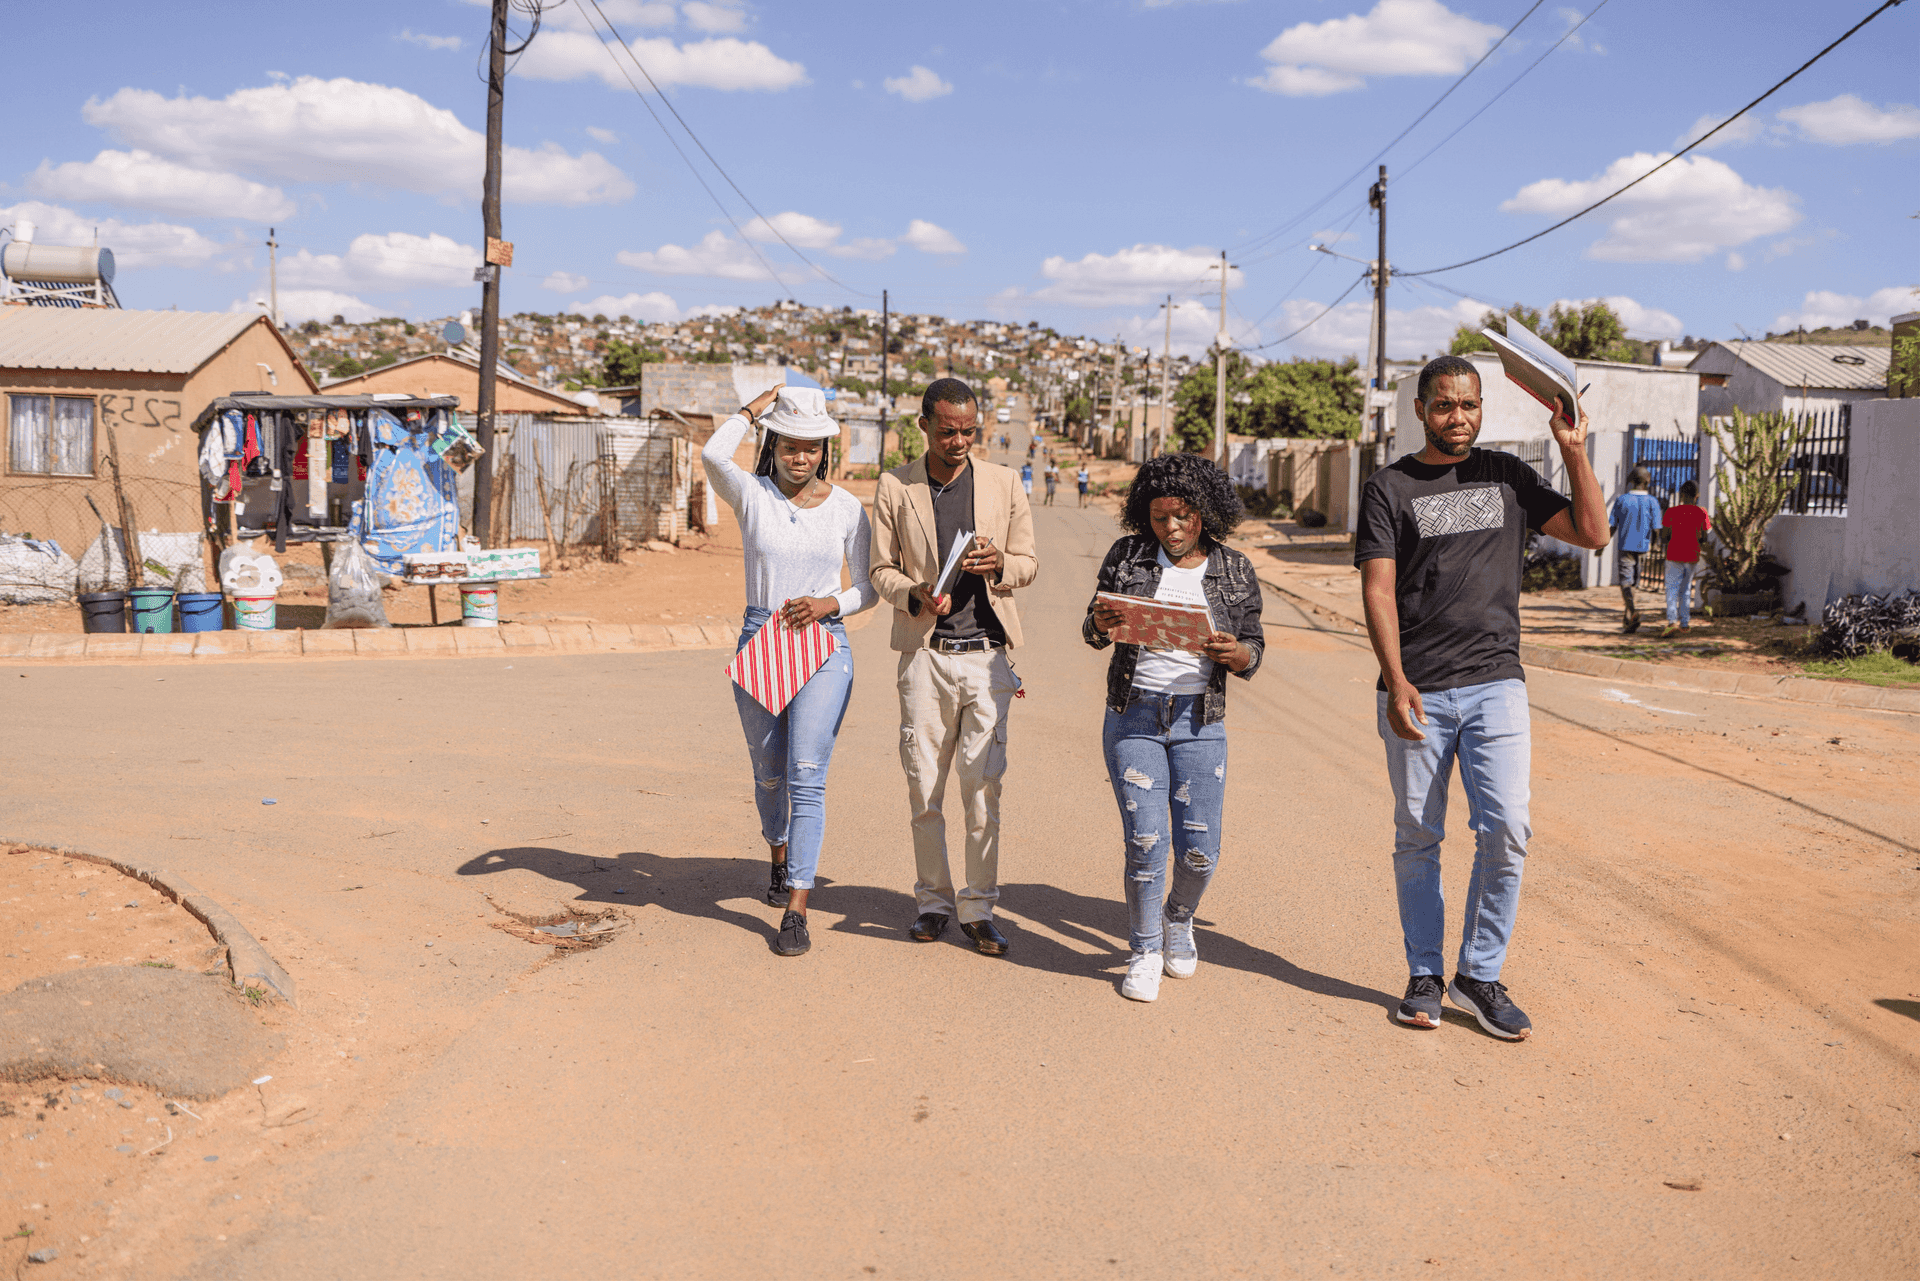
[789, 551]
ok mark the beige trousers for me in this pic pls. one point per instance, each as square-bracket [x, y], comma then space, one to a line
[955, 706]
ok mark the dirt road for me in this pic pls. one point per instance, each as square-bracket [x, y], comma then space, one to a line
[1716, 943]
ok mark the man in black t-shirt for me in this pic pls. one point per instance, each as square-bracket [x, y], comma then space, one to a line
[1441, 538]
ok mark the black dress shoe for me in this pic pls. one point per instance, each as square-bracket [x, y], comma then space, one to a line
[928, 926]
[987, 940]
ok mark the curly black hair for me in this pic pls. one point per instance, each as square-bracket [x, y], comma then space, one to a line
[1204, 486]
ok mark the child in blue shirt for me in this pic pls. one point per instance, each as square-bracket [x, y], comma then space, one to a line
[1635, 515]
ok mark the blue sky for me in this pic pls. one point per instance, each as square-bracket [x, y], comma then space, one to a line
[1072, 163]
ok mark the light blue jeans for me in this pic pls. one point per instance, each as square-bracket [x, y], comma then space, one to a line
[1489, 730]
[791, 752]
[1680, 591]
[1169, 776]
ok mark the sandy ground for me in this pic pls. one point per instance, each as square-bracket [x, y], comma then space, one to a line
[1716, 944]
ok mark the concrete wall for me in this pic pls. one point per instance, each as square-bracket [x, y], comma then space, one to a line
[1814, 547]
[1883, 499]
[1757, 393]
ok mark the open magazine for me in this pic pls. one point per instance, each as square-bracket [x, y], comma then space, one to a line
[1542, 372]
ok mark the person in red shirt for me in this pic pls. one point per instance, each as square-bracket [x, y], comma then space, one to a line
[1685, 523]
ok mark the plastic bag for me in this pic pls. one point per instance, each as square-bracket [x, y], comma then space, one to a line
[353, 593]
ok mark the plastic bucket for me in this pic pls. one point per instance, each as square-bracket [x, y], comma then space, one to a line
[200, 611]
[103, 611]
[254, 613]
[152, 608]
[479, 605]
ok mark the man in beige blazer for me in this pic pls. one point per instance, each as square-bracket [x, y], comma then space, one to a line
[956, 682]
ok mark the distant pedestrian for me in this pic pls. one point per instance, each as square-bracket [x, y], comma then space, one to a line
[1635, 515]
[1053, 480]
[1026, 478]
[1685, 523]
[1165, 735]
[1439, 550]
[798, 531]
[1085, 481]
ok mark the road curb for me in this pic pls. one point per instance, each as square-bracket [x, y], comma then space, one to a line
[1795, 689]
[249, 962]
[517, 640]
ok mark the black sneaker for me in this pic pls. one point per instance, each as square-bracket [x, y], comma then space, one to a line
[792, 940]
[1488, 1002]
[777, 890]
[1422, 1006]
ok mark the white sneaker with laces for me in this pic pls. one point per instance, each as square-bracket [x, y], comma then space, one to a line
[1183, 957]
[1143, 977]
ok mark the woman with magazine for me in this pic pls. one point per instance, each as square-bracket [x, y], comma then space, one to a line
[1165, 735]
[798, 532]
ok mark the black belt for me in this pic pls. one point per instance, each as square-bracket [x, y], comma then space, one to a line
[974, 645]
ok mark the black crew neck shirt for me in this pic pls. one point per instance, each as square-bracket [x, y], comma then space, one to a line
[1457, 534]
[972, 614]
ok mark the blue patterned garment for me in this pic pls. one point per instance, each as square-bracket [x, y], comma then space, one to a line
[412, 502]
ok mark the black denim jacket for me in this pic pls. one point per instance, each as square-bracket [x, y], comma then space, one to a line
[1132, 568]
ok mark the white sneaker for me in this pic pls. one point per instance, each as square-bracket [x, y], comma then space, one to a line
[1183, 957]
[1143, 977]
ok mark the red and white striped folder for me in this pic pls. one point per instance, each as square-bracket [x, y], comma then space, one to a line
[778, 661]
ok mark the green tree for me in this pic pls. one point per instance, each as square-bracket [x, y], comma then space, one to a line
[1591, 332]
[1903, 374]
[1193, 404]
[1316, 398]
[1755, 476]
[347, 367]
[621, 368]
[1469, 338]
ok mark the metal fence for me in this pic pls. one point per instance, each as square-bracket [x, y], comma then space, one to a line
[594, 481]
[1820, 465]
[1670, 462]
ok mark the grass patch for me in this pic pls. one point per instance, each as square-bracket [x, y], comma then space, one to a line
[158, 965]
[1869, 669]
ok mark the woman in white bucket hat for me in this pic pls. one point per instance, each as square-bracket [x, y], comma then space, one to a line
[798, 531]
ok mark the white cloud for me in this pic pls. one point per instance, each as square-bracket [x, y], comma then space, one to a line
[1745, 129]
[1694, 207]
[918, 85]
[605, 136]
[396, 260]
[1130, 277]
[800, 230]
[297, 305]
[342, 130]
[929, 239]
[565, 282]
[865, 248]
[1345, 330]
[134, 245]
[1574, 39]
[1194, 325]
[142, 180]
[1825, 307]
[718, 18]
[652, 307]
[1847, 120]
[430, 42]
[725, 64]
[1395, 38]
[1641, 321]
[717, 254]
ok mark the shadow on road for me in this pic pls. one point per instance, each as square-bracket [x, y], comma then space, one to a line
[1909, 1008]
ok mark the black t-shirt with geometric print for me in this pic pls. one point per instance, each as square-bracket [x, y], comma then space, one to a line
[1456, 534]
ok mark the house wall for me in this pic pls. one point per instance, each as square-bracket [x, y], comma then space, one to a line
[151, 417]
[1814, 549]
[1758, 393]
[1883, 520]
[441, 376]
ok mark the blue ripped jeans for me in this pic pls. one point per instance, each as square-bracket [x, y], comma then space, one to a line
[791, 752]
[1169, 775]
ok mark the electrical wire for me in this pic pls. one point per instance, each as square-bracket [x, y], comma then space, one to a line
[1779, 85]
[1342, 185]
[1358, 281]
[720, 169]
[1318, 261]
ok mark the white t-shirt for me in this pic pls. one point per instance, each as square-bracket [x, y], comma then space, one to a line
[1174, 671]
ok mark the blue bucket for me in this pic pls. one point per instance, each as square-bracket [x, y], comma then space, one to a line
[200, 611]
[152, 608]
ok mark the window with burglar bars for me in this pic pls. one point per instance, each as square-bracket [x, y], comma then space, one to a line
[1820, 465]
[50, 435]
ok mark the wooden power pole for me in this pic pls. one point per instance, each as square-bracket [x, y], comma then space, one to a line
[1220, 374]
[489, 277]
[1378, 199]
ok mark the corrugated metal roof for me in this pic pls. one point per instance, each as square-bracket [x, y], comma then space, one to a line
[1811, 365]
[146, 342]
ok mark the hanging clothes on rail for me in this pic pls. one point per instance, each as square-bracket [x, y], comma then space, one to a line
[412, 502]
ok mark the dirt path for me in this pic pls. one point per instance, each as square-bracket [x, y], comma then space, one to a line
[1715, 944]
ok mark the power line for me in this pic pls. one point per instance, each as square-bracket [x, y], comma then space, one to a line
[1781, 84]
[1342, 185]
[1313, 267]
[721, 170]
[1358, 281]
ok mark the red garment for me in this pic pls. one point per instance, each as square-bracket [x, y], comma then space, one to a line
[1687, 523]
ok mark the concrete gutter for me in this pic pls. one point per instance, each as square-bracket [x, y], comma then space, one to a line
[248, 961]
[1797, 689]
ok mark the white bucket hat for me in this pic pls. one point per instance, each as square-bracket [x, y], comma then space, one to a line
[800, 413]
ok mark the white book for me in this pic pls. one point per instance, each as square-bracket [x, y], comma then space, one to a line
[951, 570]
[1543, 373]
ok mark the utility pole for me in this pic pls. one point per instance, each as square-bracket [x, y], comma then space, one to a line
[273, 277]
[489, 275]
[1220, 373]
[886, 401]
[1166, 365]
[1378, 199]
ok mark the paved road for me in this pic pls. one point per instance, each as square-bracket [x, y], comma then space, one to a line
[1701, 956]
